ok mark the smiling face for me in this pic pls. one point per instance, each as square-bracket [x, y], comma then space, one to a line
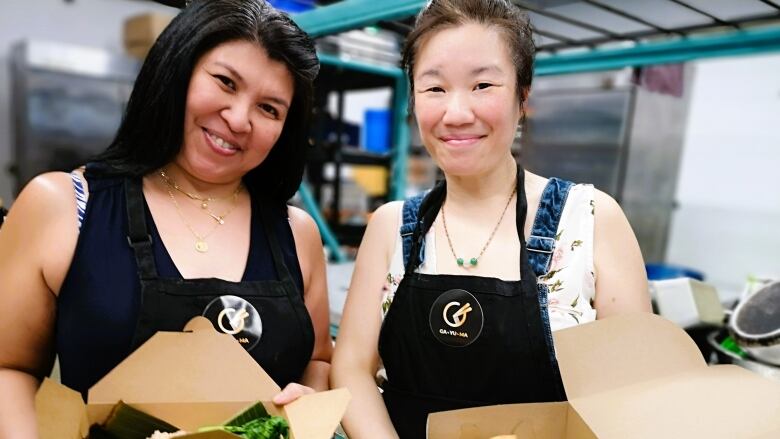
[237, 103]
[465, 99]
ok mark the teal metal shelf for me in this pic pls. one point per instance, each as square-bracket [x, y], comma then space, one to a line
[747, 42]
[352, 14]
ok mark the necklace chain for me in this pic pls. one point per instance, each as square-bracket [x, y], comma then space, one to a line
[200, 240]
[204, 201]
[473, 261]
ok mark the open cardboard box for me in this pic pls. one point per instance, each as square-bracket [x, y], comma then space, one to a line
[190, 380]
[631, 377]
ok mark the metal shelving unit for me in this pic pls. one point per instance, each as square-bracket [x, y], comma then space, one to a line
[341, 75]
[590, 35]
[582, 36]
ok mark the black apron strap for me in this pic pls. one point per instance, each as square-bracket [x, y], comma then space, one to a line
[429, 209]
[138, 236]
[273, 242]
[538, 328]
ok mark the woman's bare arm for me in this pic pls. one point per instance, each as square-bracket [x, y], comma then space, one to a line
[356, 358]
[621, 280]
[36, 245]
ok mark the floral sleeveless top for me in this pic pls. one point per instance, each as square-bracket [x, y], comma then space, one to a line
[571, 279]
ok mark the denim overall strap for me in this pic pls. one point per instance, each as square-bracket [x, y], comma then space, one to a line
[409, 222]
[541, 242]
[541, 245]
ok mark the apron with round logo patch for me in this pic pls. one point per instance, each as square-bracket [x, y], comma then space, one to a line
[450, 342]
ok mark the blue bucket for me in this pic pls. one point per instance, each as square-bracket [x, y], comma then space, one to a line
[292, 6]
[376, 129]
[664, 271]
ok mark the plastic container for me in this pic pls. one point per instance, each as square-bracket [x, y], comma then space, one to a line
[376, 129]
[292, 6]
[664, 271]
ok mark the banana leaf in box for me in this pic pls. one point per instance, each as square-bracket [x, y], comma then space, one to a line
[126, 422]
[255, 423]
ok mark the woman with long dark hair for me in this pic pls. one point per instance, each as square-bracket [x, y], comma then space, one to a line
[183, 215]
[456, 292]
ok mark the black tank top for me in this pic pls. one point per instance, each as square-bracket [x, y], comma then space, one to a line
[99, 302]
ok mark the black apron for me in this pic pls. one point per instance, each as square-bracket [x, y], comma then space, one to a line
[268, 318]
[450, 342]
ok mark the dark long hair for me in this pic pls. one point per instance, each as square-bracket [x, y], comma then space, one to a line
[151, 132]
[503, 15]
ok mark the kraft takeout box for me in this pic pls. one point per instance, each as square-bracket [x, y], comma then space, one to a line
[631, 377]
[189, 379]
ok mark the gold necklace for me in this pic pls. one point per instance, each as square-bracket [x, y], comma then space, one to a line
[204, 201]
[473, 261]
[200, 240]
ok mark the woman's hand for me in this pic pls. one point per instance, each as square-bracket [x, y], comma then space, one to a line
[291, 392]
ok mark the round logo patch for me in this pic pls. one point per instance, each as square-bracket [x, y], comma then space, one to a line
[456, 318]
[237, 317]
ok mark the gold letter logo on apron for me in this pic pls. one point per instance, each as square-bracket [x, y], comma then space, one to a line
[236, 320]
[456, 318]
[459, 318]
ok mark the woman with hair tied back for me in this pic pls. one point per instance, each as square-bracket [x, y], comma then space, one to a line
[183, 215]
[456, 292]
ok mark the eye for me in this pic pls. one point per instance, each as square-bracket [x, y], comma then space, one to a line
[482, 86]
[270, 109]
[434, 89]
[227, 82]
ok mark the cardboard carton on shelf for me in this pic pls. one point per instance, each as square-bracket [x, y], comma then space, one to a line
[141, 31]
[190, 380]
[688, 302]
[635, 376]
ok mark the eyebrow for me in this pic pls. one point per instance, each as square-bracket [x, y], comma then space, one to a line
[477, 71]
[487, 69]
[231, 69]
[430, 72]
[238, 76]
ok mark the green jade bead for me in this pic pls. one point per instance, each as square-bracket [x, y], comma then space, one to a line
[460, 262]
[473, 262]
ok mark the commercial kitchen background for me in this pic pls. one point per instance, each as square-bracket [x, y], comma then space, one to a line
[725, 220]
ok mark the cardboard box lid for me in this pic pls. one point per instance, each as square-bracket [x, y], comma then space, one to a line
[317, 416]
[198, 366]
[641, 376]
[622, 350]
[60, 412]
[720, 402]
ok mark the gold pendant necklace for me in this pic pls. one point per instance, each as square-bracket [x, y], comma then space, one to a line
[473, 261]
[201, 246]
[204, 201]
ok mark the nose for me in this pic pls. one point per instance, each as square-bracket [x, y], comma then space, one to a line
[458, 110]
[237, 117]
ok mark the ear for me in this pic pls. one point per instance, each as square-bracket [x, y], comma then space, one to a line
[524, 94]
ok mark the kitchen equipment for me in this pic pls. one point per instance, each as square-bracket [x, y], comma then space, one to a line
[755, 324]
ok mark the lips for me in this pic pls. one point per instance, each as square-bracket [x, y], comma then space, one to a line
[461, 139]
[219, 144]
